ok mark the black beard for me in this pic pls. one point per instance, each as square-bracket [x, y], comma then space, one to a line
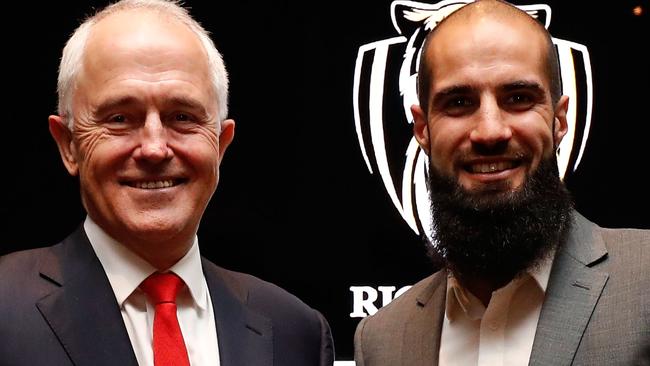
[498, 236]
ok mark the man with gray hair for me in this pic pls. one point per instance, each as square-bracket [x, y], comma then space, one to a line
[142, 122]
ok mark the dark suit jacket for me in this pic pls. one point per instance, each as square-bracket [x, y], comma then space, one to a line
[596, 310]
[57, 308]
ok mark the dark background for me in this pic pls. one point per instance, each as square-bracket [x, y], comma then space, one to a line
[296, 204]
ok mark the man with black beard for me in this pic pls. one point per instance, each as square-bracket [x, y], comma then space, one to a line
[525, 279]
[494, 236]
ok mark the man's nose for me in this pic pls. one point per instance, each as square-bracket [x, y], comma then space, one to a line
[153, 141]
[491, 127]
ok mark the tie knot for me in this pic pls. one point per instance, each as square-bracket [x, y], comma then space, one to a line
[162, 287]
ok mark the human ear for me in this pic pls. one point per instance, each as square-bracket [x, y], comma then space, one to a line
[420, 127]
[63, 138]
[560, 125]
[226, 136]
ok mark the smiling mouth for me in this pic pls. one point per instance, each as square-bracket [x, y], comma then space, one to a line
[491, 167]
[155, 184]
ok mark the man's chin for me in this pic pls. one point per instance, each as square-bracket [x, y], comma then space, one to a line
[148, 229]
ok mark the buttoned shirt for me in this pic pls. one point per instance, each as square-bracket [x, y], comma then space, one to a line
[499, 335]
[125, 271]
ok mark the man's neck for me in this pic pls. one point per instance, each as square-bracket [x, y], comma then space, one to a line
[161, 256]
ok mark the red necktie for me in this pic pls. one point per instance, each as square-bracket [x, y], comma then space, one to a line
[168, 345]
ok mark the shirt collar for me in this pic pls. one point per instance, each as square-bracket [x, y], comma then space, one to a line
[126, 270]
[460, 300]
[542, 271]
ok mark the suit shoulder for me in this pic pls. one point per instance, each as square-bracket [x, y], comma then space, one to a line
[258, 293]
[376, 336]
[401, 307]
[635, 239]
[628, 237]
[629, 251]
[296, 322]
[627, 243]
[22, 262]
[21, 281]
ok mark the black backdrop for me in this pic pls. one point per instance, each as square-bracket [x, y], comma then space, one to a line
[296, 204]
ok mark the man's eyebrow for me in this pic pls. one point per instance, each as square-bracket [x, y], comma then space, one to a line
[451, 90]
[115, 103]
[126, 101]
[454, 89]
[186, 102]
[523, 85]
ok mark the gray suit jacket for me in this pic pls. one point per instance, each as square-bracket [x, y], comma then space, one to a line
[57, 308]
[596, 310]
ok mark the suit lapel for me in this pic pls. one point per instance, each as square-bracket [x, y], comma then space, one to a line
[421, 340]
[573, 291]
[245, 337]
[82, 310]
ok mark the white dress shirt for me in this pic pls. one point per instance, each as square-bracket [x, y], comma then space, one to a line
[499, 335]
[126, 270]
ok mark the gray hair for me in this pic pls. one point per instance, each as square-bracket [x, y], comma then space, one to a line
[73, 53]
